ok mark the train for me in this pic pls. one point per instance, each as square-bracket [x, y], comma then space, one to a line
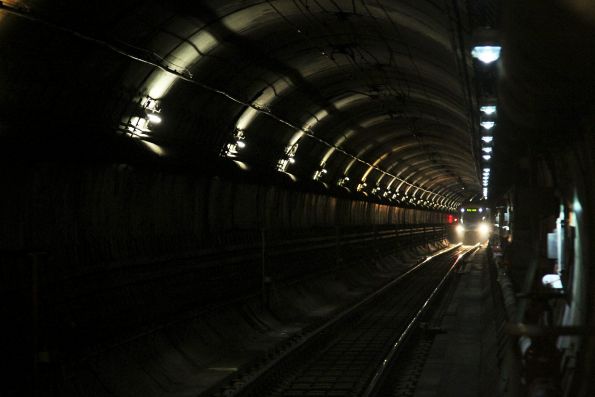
[474, 223]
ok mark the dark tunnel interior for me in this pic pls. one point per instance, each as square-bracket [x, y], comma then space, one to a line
[186, 184]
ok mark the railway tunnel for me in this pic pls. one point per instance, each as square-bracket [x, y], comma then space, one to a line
[190, 189]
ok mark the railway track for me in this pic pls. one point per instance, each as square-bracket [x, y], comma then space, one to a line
[350, 354]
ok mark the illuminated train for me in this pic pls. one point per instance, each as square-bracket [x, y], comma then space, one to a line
[474, 223]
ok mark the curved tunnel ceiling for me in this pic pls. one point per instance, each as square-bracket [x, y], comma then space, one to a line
[371, 95]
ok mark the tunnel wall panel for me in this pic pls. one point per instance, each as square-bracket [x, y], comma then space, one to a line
[124, 248]
[104, 214]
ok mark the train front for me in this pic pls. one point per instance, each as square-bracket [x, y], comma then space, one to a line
[474, 225]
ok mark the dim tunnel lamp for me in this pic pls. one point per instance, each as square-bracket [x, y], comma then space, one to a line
[488, 109]
[486, 54]
[488, 125]
[487, 149]
[487, 139]
[486, 157]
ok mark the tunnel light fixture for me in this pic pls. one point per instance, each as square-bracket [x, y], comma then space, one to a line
[488, 125]
[487, 138]
[139, 125]
[488, 109]
[290, 151]
[486, 53]
[342, 181]
[320, 172]
[154, 118]
[487, 149]
[152, 110]
[486, 157]
[237, 142]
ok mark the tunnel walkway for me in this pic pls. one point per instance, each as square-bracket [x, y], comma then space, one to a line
[462, 361]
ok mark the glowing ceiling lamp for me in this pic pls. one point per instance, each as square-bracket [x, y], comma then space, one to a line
[487, 139]
[487, 149]
[241, 144]
[486, 157]
[487, 124]
[486, 54]
[488, 109]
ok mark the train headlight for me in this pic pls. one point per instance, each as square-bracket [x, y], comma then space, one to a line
[484, 229]
[460, 229]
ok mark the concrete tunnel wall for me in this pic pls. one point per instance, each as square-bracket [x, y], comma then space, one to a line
[124, 248]
[86, 217]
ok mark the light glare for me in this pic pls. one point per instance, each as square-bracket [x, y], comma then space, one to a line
[154, 118]
[486, 54]
[487, 139]
[488, 125]
[488, 109]
[487, 157]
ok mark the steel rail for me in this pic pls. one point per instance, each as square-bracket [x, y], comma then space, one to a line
[380, 373]
[249, 380]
